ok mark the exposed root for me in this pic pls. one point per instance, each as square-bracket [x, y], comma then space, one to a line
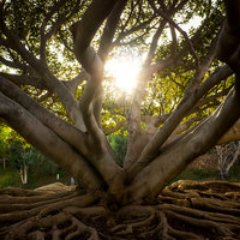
[185, 210]
[210, 209]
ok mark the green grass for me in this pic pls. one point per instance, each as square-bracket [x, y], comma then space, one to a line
[234, 173]
[36, 180]
[206, 174]
[197, 174]
[9, 178]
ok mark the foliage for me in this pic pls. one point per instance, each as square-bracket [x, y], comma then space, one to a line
[38, 163]
[234, 173]
[16, 152]
[197, 174]
[118, 143]
[9, 178]
[25, 17]
[4, 132]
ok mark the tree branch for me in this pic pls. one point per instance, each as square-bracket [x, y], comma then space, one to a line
[134, 29]
[232, 135]
[76, 81]
[61, 128]
[48, 142]
[24, 80]
[110, 29]
[13, 64]
[203, 67]
[81, 142]
[180, 30]
[228, 45]
[84, 30]
[153, 147]
[52, 83]
[61, 19]
[134, 118]
[188, 148]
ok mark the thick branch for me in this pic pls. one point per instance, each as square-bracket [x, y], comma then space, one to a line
[47, 141]
[228, 44]
[61, 128]
[24, 80]
[134, 118]
[100, 159]
[154, 43]
[84, 30]
[232, 11]
[203, 67]
[49, 79]
[189, 147]
[232, 135]
[175, 118]
[76, 81]
[110, 29]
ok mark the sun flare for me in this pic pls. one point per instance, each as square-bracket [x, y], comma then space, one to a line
[124, 71]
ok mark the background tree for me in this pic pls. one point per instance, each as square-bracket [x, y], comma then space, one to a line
[43, 97]
[4, 133]
[228, 155]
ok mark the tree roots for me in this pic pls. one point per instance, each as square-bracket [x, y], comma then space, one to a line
[184, 210]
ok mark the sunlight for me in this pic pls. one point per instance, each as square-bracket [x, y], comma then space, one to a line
[124, 70]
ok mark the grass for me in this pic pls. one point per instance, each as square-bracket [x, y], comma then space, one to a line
[11, 177]
[197, 174]
[235, 173]
[206, 174]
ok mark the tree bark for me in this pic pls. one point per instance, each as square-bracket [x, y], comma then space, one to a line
[48, 142]
[182, 152]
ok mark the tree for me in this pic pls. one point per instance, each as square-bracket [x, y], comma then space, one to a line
[70, 131]
[227, 156]
[3, 144]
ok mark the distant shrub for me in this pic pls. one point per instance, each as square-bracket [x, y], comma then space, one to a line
[119, 145]
[9, 178]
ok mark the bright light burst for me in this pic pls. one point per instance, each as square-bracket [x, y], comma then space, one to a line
[124, 70]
